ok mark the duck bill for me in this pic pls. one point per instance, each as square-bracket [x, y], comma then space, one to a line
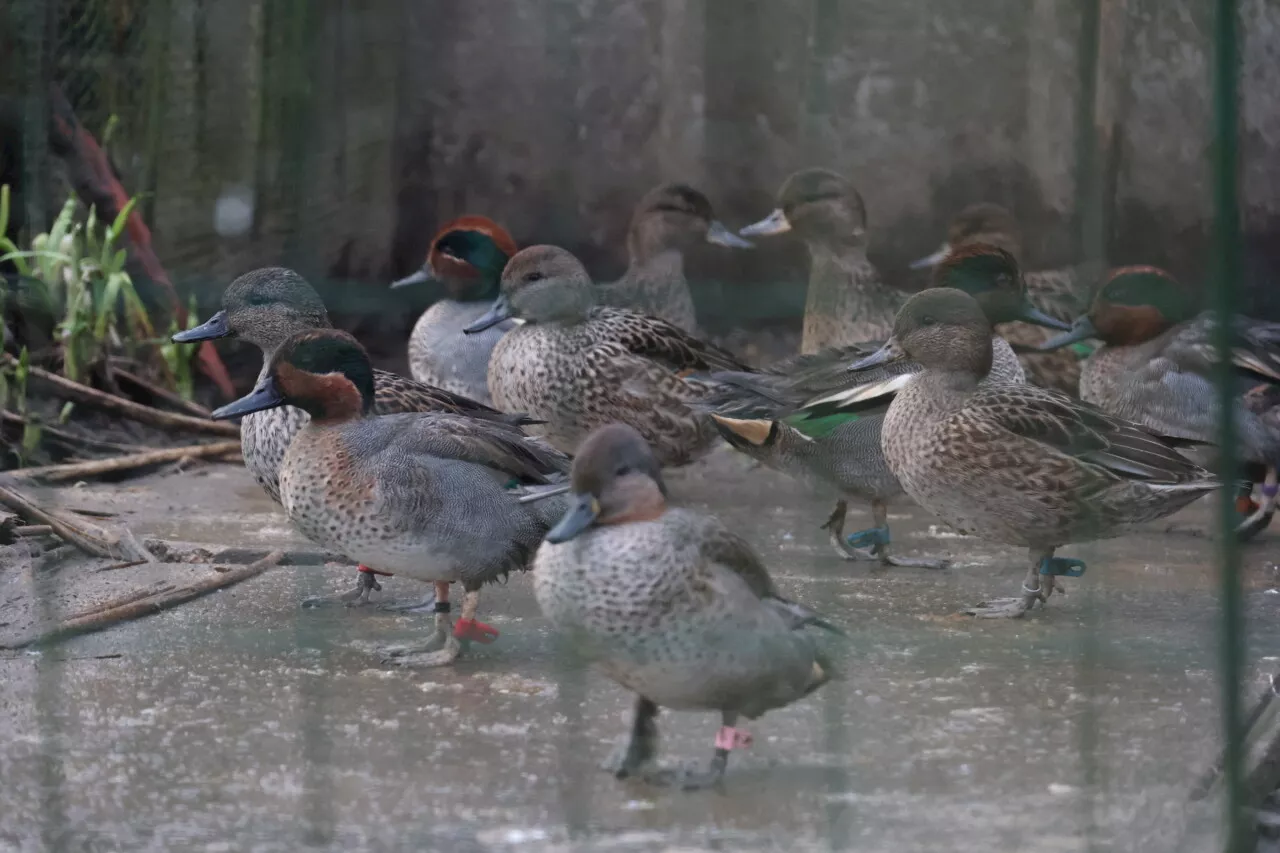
[719, 235]
[887, 354]
[582, 513]
[932, 260]
[774, 223]
[499, 311]
[1082, 329]
[265, 395]
[1031, 314]
[215, 327]
[422, 276]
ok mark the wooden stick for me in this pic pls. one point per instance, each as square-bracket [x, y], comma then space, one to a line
[175, 400]
[87, 537]
[97, 467]
[69, 438]
[125, 408]
[32, 530]
[134, 607]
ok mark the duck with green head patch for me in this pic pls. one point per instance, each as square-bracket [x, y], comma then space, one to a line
[577, 366]
[463, 267]
[847, 301]
[424, 495]
[671, 605]
[1157, 368]
[1016, 463]
[812, 418]
[265, 308]
[670, 220]
[1059, 293]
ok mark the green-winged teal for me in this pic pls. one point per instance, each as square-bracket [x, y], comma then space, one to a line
[670, 220]
[1060, 293]
[1157, 364]
[266, 307]
[576, 366]
[814, 419]
[670, 604]
[847, 302]
[439, 353]
[425, 495]
[1017, 463]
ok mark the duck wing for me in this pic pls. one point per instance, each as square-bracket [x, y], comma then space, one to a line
[660, 341]
[395, 394]
[493, 444]
[1123, 449]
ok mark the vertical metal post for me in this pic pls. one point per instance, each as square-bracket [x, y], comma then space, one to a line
[1226, 272]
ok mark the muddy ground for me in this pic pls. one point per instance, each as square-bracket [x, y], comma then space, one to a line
[242, 722]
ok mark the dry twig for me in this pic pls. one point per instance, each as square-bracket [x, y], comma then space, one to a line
[97, 467]
[98, 541]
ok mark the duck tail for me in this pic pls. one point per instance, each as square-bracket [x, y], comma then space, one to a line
[746, 434]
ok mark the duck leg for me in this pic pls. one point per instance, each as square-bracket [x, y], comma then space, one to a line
[727, 739]
[641, 748]
[469, 628]
[1260, 518]
[440, 649]
[877, 538]
[1032, 591]
[366, 582]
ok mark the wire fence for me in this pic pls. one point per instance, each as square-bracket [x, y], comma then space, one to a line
[335, 138]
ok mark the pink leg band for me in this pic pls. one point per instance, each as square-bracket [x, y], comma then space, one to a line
[731, 738]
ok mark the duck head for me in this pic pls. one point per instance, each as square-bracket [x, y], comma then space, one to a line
[941, 329]
[264, 307]
[465, 260]
[541, 284]
[1134, 305]
[978, 223]
[615, 479]
[990, 275]
[820, 206]
[675, 217]
[324, 372]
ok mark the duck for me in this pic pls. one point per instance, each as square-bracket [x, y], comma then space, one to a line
[575, 365]
[1016, 463]
[1156, 367]
[669, 220]
[1059, 293]
[266, 307]
[671, 605]
[811, 418]
[439, 353]
[422, 494]
[847, 302]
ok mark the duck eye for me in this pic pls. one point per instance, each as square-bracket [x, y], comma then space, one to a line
[622, 471]
[535, 275]
[927, 320]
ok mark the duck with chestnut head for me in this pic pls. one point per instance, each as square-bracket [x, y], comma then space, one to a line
[439, 353]
[427, 495]
[576, 366]
[812, 418]
[1157, 367]
[671, 605]
[1016, 463]
[268, 306]
[670, 220]
[848, 302]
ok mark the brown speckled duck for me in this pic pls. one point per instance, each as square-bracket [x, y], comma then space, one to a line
[847, 302]
[1059, 293]
[671, 605]
[439, 353]
[576, 366]
[268, 306]
[425, 494]
[1016, 463]
[670, 220]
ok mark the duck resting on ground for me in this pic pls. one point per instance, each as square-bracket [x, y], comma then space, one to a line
[425, 495]
[671, 605]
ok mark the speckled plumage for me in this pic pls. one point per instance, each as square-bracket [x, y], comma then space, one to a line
[1018, 464]
[847, 302]
[578, 366]
[668, 221]
[668, 602]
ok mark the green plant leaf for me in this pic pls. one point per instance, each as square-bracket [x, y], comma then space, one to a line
[65, 414]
